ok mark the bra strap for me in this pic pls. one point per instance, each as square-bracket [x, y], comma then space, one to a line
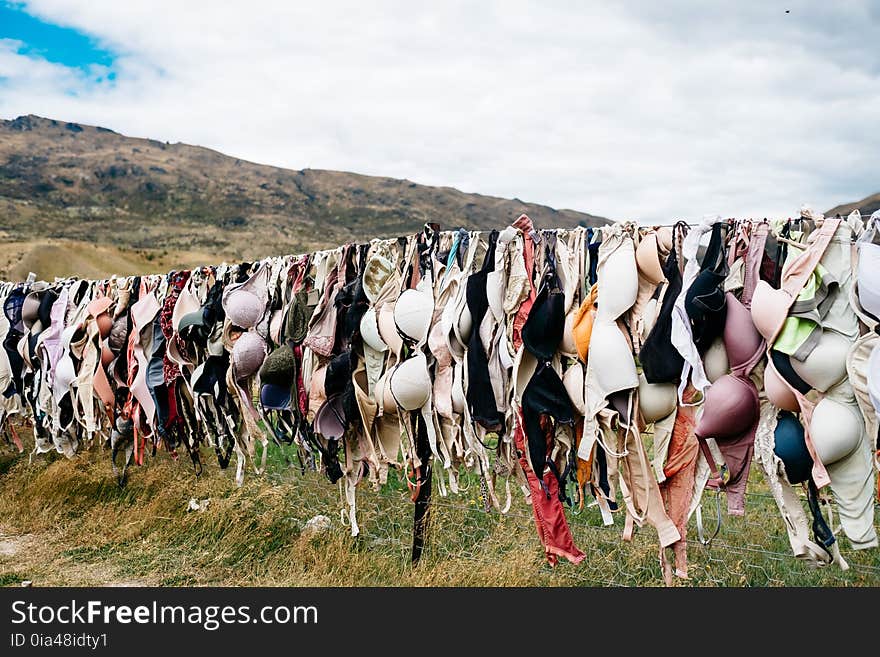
[754, 256]
[802, 266]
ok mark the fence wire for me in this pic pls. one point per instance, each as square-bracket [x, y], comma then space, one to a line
[752, 550]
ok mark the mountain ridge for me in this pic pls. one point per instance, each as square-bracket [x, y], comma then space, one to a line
[62, 180]
[866, 206]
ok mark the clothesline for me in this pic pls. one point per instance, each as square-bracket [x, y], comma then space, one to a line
[645, 223]
[337, 352]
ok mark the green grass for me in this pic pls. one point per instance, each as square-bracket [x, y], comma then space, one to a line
[11, 579]
[87, 530]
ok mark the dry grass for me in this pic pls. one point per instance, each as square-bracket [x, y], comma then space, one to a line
[50, 258]
[68, 523]
[92, 185]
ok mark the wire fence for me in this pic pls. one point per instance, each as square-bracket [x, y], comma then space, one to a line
[752, 550]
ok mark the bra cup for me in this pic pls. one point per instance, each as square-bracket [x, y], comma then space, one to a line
[329, 421]
[619, 279]
[869, 286]
[778, 392]
[370, 331]
[664, 238]
[648, 259]
[276, 324]
[567, 346]
[107, 355]
[543, 330]
[715, 361]
[410, 383]
[243, 308]
[582, 325]
[64, 375]
[573, 380]
[835, 430]
[413, 312]
[30, 310]
[612, 362]
[449, 318]
[105, 324]
[458, 398]
[649, 316]
[873, 377]
[495, 292]
[769, 309]
[465, 325]
[791, 448]
[316, 390]
[438, 347]
[378, 270]
[729, 410]
[387, 329]
[215, 344]
[741, 338]
[826, 364]
[248, 354]
[382, 395]
[656, 400]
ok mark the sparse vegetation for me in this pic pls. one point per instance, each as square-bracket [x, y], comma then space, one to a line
[74, 525]
[92, 185]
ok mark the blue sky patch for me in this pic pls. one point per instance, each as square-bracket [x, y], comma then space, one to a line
[54, 43]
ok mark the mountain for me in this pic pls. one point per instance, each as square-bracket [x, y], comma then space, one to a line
[866, 207]
[153, 205]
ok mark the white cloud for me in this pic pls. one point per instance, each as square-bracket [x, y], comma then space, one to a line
[649, 110]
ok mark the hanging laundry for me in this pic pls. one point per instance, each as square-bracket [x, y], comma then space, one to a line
[528, 356]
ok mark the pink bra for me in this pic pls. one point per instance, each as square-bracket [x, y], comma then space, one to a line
[770, 306]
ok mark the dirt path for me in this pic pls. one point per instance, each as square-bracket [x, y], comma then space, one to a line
[40, 559]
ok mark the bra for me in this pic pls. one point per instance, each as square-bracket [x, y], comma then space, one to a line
[730, 408]
[410, 383]
[868, 268]
[826, 364]
[413, 312]
[618, 274]
[705, 302]
[369, 330]
[648, 259]
[741, 339]
[835, 430]
[611, 360]
[275, 397]
[582, 324]
[715, 361]
[656, 400]
[545, 324]
[545, 394]
[661, 361]
[790, 446]
[770, 306]
[573, 381]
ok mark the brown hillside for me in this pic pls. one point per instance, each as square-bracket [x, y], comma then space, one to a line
[866, 206]
[67, 181]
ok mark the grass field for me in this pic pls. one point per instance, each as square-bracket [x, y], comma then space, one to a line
[54, 257]
[68, 523]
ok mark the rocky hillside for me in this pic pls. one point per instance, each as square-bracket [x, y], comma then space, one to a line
[89, 184]
[866, 206]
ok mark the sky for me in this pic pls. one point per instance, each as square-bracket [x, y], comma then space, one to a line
[637, 110]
